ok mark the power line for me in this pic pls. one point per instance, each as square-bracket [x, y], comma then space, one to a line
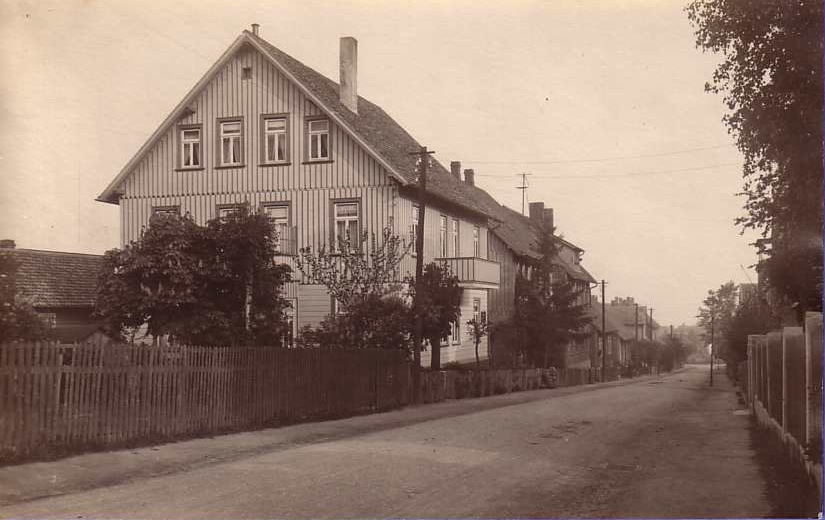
[606, 159]
[621, 175]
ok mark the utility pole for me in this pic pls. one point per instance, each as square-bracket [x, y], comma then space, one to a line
[651, 324]
[421, 164]
[711, 348]
[671, 333]
[604, 335]
[523, 189]
[636, 328]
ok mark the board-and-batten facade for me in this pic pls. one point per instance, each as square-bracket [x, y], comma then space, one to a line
[248, 87]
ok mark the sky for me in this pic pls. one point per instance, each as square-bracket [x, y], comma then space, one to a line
[601, 102]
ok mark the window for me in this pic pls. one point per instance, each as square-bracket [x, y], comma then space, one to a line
[190, 147]
[279, 217]
[476, 242]
[455, 238]
[414, 228]
[345, 225]
[227, 210]
[275, 140]
[456, 332]
[166, 210]
[318, 138]
[442, 237]
[477, 309]
[230, 143]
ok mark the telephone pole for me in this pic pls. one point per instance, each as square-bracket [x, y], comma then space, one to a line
[523, 189]
[604, 335]
[651, 324]
[711, 349]
[636, 328]
[421, 165]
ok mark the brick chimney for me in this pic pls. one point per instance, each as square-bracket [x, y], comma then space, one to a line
[255, 27]
[548, 218]
[536, 212]
[455, 169]
[7, 243]
[348, 89]
[469, 177]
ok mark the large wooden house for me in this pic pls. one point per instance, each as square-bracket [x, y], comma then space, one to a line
[262, 128]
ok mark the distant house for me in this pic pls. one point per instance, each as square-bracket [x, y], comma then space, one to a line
[61, 287]
[619, 338]
[513, 244]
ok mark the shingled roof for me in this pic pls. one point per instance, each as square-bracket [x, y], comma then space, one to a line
[50, 279]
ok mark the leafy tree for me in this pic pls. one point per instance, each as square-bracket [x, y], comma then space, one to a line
[204, 285]
[752, 316]
[771, 80]
[440, 305]
[546, 315]
[477, 329]
[18, 320]
[377, 322]
[718, 308]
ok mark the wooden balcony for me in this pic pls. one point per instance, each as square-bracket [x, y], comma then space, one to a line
[474, 273]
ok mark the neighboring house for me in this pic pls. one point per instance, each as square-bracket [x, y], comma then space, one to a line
[61, 287]
[261, 127]
[513, 244]
[618, 337]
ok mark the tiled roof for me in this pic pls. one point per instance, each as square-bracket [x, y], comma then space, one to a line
[380, 131]
[612, 321]
[56, 279]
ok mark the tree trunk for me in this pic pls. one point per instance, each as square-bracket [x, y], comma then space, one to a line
[478, 360]
[435, 354]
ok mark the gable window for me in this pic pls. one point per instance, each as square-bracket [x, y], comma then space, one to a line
[414, 228]
[231, 135]
[275, 139]
[279, 217]
[318, 139]
[190, 147]
[346, 224]
[456, 246]
[476, 242]
[442, 237]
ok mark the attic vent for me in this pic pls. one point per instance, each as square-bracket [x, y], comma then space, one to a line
[246, 72]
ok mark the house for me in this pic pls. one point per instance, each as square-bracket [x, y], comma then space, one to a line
[619, 339]
[513, 244]
[60, 286]
[260, 127]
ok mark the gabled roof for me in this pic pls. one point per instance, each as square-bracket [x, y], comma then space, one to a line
[371, 127]
[612, 321]
[50, 279]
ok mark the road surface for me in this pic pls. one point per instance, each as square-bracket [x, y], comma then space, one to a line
[657, 447]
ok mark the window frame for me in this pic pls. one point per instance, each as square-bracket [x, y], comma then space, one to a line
[477, 241]
[181, 142]
[264, 160]
[308, 133]
[442, 236]
[288, 206]
[171, 209]
[334, 220]
[231, 205]
[414, 227]
[455, 227]
[455, 333]
[219, 137]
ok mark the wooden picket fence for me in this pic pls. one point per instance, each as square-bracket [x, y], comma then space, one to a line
[784, 383]
[106, 395]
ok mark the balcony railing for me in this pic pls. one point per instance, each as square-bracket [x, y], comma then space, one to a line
[474, 272]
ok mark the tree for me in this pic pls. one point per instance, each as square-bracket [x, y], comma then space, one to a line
[752, 316]
[18, 320]
[716, 314]
[202, 285]
[371, 313]
[771, 80]
[547, 316]
[440, 306]
[350, 274]
[477, 329]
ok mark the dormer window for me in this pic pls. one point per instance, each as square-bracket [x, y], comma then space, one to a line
[231, 149]
[190, 147]
[318, 139]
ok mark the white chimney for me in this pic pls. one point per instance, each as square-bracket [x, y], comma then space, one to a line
[349, 73]
[255, 27]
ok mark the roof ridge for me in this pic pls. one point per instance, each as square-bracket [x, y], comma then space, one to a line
[52, 252]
